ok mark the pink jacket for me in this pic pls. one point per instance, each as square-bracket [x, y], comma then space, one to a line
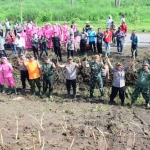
[7, 68]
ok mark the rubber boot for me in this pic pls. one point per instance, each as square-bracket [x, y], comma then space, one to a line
[147, 104]
[15, 90]
[91, 96]
[132, 103]
[40, 93]
[51, 95]
[3, 89]
[10, 91]
[102, 95]
[74, 93]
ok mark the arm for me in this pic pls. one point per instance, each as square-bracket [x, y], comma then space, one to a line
[10, 66]
[53, 65]
[109, 63]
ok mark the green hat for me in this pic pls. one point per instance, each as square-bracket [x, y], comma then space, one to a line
[145, 63]
[46, 57]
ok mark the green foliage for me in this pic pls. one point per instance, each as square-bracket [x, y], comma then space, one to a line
[44, 17]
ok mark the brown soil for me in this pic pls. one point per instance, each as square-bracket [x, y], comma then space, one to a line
[69, 124]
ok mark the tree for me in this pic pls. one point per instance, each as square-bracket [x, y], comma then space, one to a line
[117, 3]
[72, 3]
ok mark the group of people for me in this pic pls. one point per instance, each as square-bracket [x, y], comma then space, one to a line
[31, 36]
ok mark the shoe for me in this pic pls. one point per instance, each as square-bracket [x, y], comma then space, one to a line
[1, 88]
[111, 102]
[32, 92]
[75, 96]
[101, 97]
[68, 95]
[10, 91]
[122, 104]
[91, 96]
[50, 97]
[40, 93]
[147, 105]
[131, 105]
[23, 90]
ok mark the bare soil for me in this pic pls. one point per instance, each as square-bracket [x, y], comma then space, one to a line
[31, 123]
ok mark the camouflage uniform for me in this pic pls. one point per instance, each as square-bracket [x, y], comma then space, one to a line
[96, 77]
[142, 86]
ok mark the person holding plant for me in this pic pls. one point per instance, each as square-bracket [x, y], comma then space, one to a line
[142, 85]
[8, 75]
[71, 69]
[48, 76]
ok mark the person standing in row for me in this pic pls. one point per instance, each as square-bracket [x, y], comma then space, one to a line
[33, 68]
[2, 89]
[23, 71]
[11, 40]
[95, 67]
[7, 26]
[87, 26]
[113, 28]
[134, 44]
[8, 76]
[91, 38]
[70, 46]
[43, 45]
[20, 44]
[2, 48]
[48, 76]
[99, 36]
[83, 41]
[118, 81]
[107, 39]
[57, 46]
[120, 38]
[142, 85]
[1, 28]
[34, 42]
[71, 69]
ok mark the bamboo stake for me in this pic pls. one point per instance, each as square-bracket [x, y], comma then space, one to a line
[17, 124]
[2, 141]
[39, 137]
[33, 142]
[43, 144]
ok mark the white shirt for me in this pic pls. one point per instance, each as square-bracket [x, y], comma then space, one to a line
[7, 25]
[122, 20]
[20, 42]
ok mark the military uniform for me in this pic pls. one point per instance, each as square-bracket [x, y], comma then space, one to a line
[48, 77]
[96, 77]
[142, 86]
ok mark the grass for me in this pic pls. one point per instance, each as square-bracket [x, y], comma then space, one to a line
[96, 11]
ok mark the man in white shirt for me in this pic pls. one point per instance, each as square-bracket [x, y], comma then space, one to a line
[20, 44]
[7, 26]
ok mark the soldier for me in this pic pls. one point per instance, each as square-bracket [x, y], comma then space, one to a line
[48, 77]
[142, 85]
[96, 67]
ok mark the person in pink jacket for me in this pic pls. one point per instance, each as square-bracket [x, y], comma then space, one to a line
[8, 75]
[65, 33]
[1, 81]
[74, 30]
[24, 36]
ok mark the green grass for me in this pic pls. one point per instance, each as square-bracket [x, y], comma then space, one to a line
[96, 11]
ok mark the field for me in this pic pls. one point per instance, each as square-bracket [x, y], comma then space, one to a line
[31, 123]
[96, 11]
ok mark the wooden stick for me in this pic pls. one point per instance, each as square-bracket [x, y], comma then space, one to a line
[133, 142]
[71, 144]
[39, 137]
[2, 141]
[17, 124]
[33, 142]
[43, 144]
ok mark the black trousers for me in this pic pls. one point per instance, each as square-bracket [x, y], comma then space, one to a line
[57, 51]
[37, 82]
[70, 53]
[24, 76]
[70, 83]
[115, 91]
[134, 48]
[83, 46]
[35, 52]
[99, 48]
[48, 81]
[1, 32]
[92, 44]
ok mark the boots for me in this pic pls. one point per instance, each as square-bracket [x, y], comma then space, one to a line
[40, 93]
[50, 95]
[91, 95]
[10, 91]
[132, 104]
[74, 93]
[147, 104]
[15, 90]
[3, 89]
[102, 95]
[68, 90]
